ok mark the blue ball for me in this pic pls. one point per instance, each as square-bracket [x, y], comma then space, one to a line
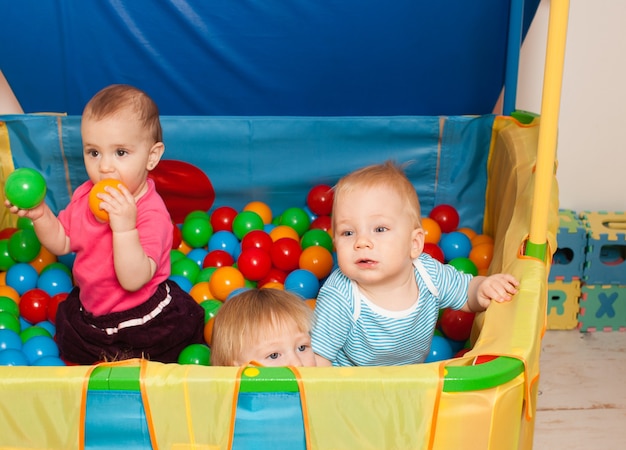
[22, 277]
[440, 349]
[13, 357]
[10, 339]
[67, 259]
[224, 240]
[48, 326]
[455, 245]
[38, 347]
[197, 255]
[49, 361]
[303, 283]
[184, 283]
[55, 281]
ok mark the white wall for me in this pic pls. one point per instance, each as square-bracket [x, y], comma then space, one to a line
[591, 148]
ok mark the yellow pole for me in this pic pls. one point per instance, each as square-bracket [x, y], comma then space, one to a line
[550, 103]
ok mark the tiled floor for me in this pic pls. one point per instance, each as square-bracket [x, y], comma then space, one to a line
[582, 391]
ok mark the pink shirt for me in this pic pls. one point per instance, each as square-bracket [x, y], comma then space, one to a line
[94, 273]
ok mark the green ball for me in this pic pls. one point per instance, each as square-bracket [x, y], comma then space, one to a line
[6, 261]
[296, 218]
[186, 268]
[197, 231]
[7, 304]
[33, 331]
[24, 246]
[25, 188]
[315, 236]
[9, 321]
[211, 307]
[464, 265]
[198, 354]
[246, 221]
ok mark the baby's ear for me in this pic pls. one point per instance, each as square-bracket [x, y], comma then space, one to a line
[417, 242]
[155, 154]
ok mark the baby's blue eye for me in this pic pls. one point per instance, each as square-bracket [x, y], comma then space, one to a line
[380, 229]
[302, 348]
[273, 356]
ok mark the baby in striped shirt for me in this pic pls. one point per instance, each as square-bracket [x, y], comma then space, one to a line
[380, 307]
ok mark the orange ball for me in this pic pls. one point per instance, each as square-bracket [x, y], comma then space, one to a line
[284, 231]
[432, 230]
[224, 280]
[94, 201]
[208, 330]
[43, 259]
[262, 209]
[481, 255]
[201, 291]
[481, 239]
[273, 285]
[310, 302]
[318, 260]
[8, 291]
[468, 232]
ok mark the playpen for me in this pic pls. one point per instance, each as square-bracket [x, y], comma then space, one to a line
[499, 170]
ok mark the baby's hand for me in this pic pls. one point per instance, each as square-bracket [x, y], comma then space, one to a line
[121, 206]
[499, 287]
[33, 213]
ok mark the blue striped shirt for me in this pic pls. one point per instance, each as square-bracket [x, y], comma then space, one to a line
[364, 334]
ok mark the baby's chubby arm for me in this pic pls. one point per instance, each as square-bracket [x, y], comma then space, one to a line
[47, 226]
[482, 291]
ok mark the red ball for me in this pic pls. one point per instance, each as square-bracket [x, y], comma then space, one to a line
[53, 305]
[320, 199]
[456, 324]
[34, 305]
[177, 238]
[434, 251]
[285, 254]
[218, 258]
[322, 223]
[222, 218]
[274, 276]
[254, 263]
[257, 239]
[446, 216]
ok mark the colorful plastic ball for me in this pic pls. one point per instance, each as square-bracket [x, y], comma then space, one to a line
[274, 276]
[55, 281]
[13, 357]
[24, 246]
[464, 265]
[302, 283]
[245, 222]
[262, 209]
[296, 218]
[322, 223]
[317, 237]
[22, 277]
[318, 260]
[8, 321]
[197, 255]
[481, 255]
[284, 231]
[218, 258]
[432, 230]
[38, 347]
[34, 305]
[205, 274]
[435, 251]
[222, 218]
[67, 259]
[446, 216]
[440, 349]
[197, 354]
[224, 240]
[9, 305]
[208, 330]
[211, 307]
[5, 257]
[482, 239]
[53, 306]
[201, 291]
[187, 268]
[320, 199]
[29, 332]
[454, 245]
[456, 324]
[43, 259]
[6, 233]
[197, 214]
[48, 326]
[10, 339]
[285, 254]
[8, 291]
[254, 263]
[237, 291]
[49, 361]
[196, 232]
[177, 236]
[94, 201]
[224, 280]
[182, 282]
[468, 232]
[257, 239]
[25, 188]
